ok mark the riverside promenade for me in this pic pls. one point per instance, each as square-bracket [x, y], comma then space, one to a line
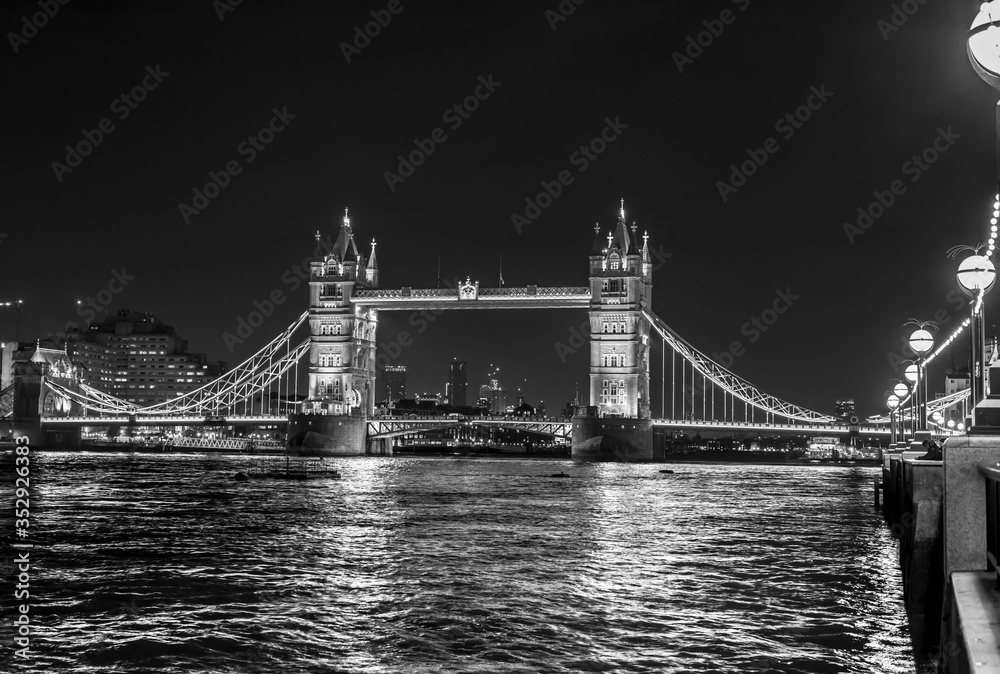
[946, 515]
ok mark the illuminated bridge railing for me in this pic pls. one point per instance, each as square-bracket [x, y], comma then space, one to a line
[165, 419]
[746, 425]
[558, 297]
[391, 426]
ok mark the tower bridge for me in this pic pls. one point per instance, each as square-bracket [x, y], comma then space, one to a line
[337, 360]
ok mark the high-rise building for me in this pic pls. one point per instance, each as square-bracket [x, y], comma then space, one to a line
[845, 409]
[132, 355]
[457, 384]
[395, 383]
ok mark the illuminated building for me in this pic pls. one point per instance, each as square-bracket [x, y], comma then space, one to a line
[134, 356]
[457, 384]
[395, 383]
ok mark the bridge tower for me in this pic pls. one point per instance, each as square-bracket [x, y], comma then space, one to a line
[617, 424]
[341, 370]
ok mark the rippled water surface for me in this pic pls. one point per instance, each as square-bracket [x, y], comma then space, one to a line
[163, 563]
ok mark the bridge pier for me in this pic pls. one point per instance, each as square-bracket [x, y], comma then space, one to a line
[379, 446]
[612, 439]
[327, 434]
[32, 428]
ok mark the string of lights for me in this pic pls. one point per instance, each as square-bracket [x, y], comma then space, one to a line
[977, 307]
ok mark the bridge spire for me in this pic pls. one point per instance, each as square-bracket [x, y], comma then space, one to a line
[621, 238]
[598, 247]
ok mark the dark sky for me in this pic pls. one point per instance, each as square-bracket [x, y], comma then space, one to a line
[890, 93]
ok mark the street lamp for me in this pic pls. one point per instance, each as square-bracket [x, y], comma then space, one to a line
[901, 390]
[921, 342]
[983, 45]
[892, 402]
[976, 277]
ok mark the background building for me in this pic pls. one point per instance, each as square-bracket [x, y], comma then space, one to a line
[395, 383]
[844, 409]
[457, 384]
[134, 356]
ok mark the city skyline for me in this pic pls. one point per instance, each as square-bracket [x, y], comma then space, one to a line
[781, 177]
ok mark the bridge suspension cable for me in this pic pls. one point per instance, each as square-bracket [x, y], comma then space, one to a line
[249, 378]
[730, 383]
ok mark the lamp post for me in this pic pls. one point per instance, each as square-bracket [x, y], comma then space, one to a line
[892, 402]
[912, 375]
[976, 277]
[983, 46]
[921, 342]
[901, 390]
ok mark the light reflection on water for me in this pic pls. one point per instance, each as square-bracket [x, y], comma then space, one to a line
[163, 563]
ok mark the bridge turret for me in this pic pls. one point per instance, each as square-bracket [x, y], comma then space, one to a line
[621, 286]
[341, 350]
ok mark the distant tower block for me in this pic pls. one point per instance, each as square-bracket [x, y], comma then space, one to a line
[341, 353]
[617, 425]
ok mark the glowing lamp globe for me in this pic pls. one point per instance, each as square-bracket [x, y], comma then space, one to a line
[892, 402]
[921, 342]
[901, 390]
[938, 417]
[976, 273]
[982, 43]
[911, 373]
[951, 423]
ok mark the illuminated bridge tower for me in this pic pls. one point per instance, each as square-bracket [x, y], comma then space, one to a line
[617, 425]
[332, 420]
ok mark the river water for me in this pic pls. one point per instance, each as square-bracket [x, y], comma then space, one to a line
[164, 563]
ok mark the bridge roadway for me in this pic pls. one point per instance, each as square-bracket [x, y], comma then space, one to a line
[812, 429]
[473, 297]
[166, 420]
[387, 427]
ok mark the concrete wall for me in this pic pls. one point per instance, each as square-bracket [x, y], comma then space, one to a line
[965, 501]
[921, 548]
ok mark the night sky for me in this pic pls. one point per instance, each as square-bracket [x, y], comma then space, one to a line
[881, 95]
